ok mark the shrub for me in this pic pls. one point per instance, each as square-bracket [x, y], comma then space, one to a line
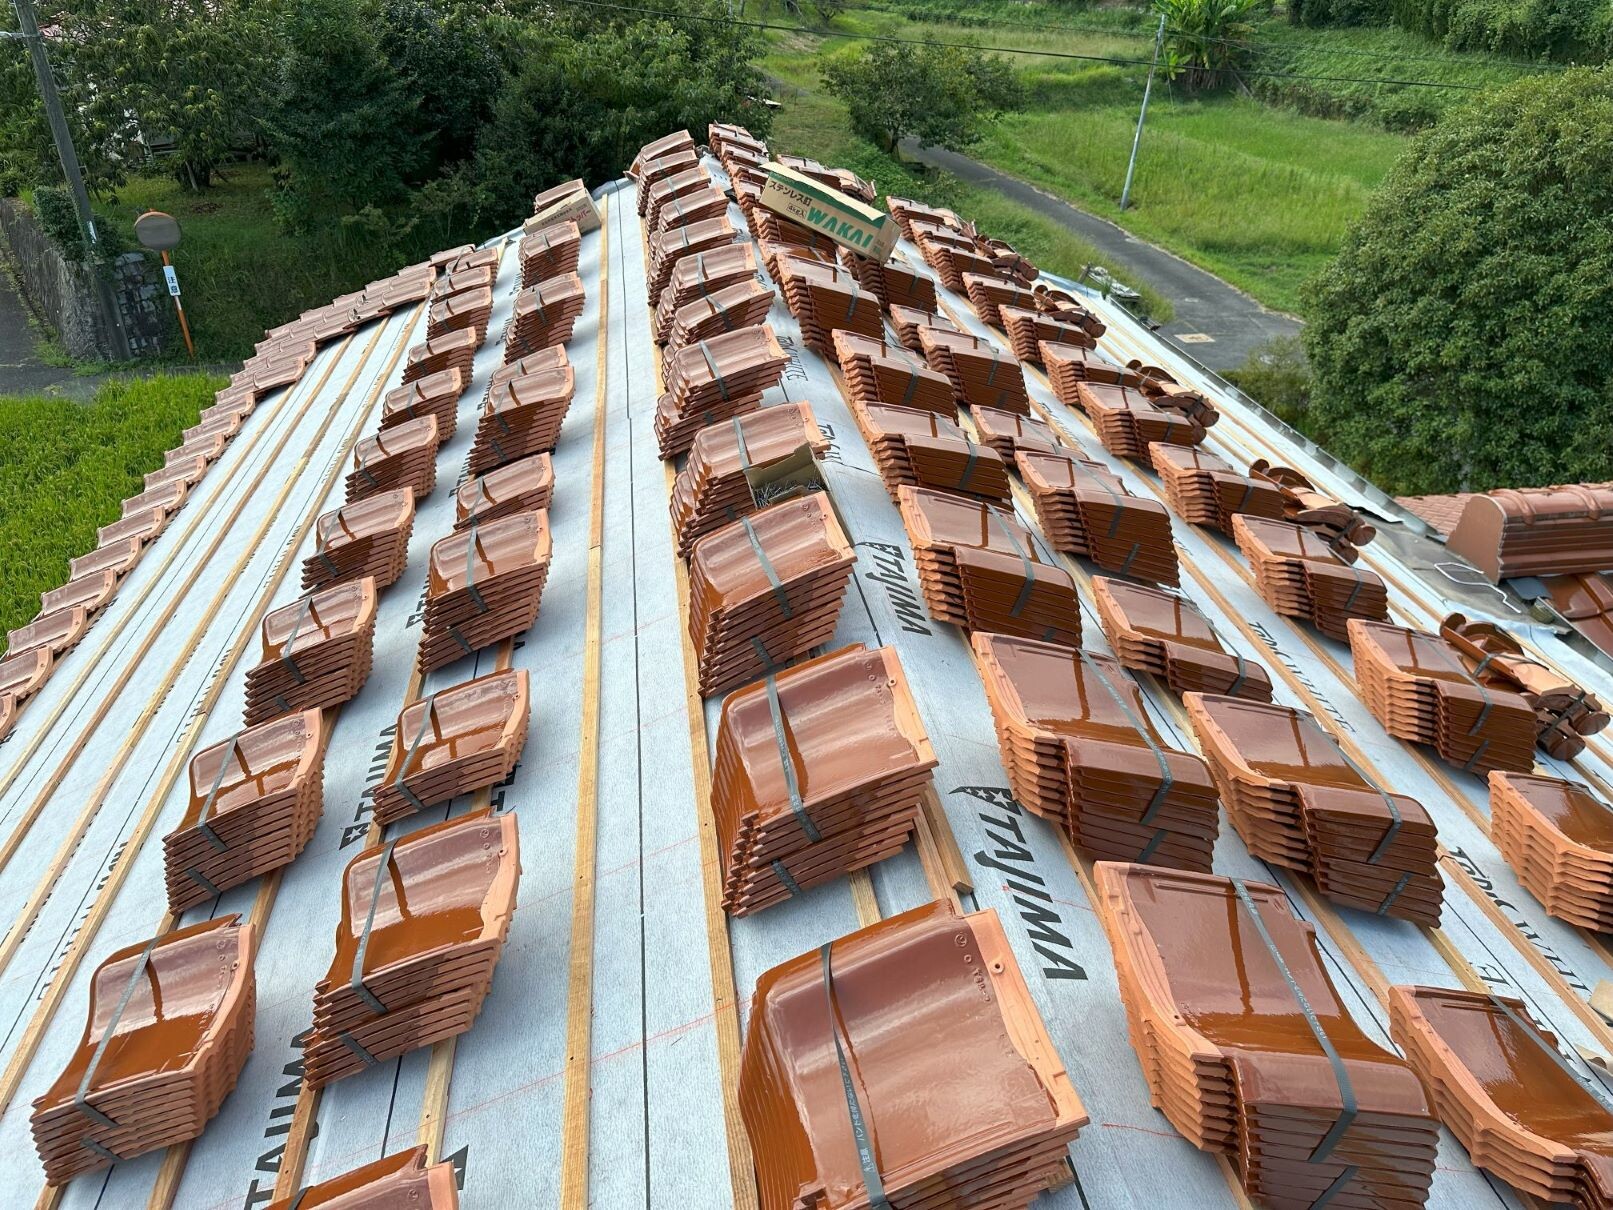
[1459, 341]
[1206, 41]
[1561, 30]
[1277, 376]
[1340, 12]
[939, 95]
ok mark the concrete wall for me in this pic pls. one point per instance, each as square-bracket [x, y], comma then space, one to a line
[66, 294]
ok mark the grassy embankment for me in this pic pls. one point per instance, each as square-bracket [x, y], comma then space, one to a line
[65, 468]
[1260, 194]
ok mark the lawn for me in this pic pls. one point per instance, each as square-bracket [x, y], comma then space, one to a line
[65, 469]
[1259, 193]
[240, 273]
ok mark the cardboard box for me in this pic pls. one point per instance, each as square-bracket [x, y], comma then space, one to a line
[569, 201]
[850, 223]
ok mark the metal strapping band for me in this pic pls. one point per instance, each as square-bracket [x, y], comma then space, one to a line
[739, 441]
[1395, 819]
[364, 993]
[1342, 1179]
[204, 827]
[329, 566]
[291, 639]
[1030, 568]
[1360, 580]
[1341, 1074]
[779, 592]
[106, 1153]
[797, 807]
[1166, 778]
[408, 757]
[766, 656]
[851, 302]
[453, 633]
[783, 876]
[859, 1125]
[1243, 666]
[711, 364]
[1120, 503]
[1590, 1086]
[369, 478]
[969, 466]
[470, 568]
[202, 881]
[353, 1044]
[1389, 899]
[80, 1102]
[1148, 850]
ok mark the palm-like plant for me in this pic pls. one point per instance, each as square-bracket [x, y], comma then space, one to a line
[1206, 41]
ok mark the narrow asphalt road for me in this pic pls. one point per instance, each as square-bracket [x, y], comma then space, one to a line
[21, 370]
[1205, 305]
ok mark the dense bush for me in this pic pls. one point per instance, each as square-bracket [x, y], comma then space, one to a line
[1277, 376]
[1340, 12]
[1460, 339]
[1206, 41]
[1561, 30]
[940, 95]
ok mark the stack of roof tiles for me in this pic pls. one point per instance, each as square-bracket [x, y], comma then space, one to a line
[979, 569]
[1299, 576]
[981, 374]
[485, 584]
[1029, 329]
[906, 211]
[1084, 509]
[455, 741]
[715, 380]
[669, 188]
[859, 1005]
[706, 202]
[1542, 531]
[952, 256]
[741, 305]
[317, 652]
[404, 455]
[1565, 712]
[1249, 1050]
[436, 395]
[878, 373]
[712, 489]
[1336, 523]
[516, 487]
[1502, 1085]
[1070, 365]
[909, 320]
[663, 158]
[701, 276]
[820, 770]
[766, 589]
[1010, 432]
[1166, 635]
[1203, 489]
[1080, 749]
[168, 1031]
[254, 803]
[523, 413]
[404, 1179]
[922, 449]
[1558, 838]
[1416, 685]
[989, 292]
[669, 248]
[369, 537]
[552, 251]
[1129, 423]
[1299, 802]
[449, 351]
[894, 285]
[468, 310]
[544, 315]
[464, 281]
[825, 297]
[424, 919]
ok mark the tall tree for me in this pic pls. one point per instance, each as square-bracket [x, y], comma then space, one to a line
[1460, 340]
[943, 95]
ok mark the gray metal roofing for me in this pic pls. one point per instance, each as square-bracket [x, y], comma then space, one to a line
[654, 1128]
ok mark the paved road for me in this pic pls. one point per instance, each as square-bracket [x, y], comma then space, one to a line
[21, 370]
[1205, 305]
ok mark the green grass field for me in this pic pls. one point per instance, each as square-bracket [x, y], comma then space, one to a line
[65, 469]
[1258, 193]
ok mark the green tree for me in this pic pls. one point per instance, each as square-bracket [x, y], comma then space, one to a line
[1460, 340]
[1206, 41]
[939, 95]
[342, 116]
[445, 55]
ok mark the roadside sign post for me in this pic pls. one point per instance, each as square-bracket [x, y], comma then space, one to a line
[160, 233]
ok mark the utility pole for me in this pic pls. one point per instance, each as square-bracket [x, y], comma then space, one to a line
[1136, 141]
[28, 27]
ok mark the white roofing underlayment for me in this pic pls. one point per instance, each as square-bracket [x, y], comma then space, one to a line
[162, 674]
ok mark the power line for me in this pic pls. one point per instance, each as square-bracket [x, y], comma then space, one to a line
[1259, 48]
[1012, 50]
